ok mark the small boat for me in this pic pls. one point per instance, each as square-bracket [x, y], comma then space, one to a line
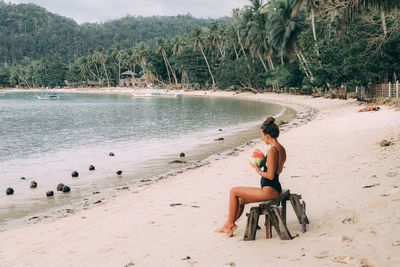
[156, 93]
[50, 96]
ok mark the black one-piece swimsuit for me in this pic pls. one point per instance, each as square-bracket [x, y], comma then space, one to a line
[274, 183]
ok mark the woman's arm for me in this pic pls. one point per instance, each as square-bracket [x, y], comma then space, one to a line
[271, 165]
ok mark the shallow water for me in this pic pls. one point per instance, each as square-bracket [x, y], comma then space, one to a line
[46, 140]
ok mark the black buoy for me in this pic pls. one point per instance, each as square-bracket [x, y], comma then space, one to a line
[9, 191]
[60, 187]
[220, 130]
[23, 178]
[119, 172]
[111, 154]
[75, 174]
[49, 193]
[92, 168]
[182, 155]
[33, 184]
[66, 189]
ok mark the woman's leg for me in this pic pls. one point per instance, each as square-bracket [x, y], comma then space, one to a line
[246, 195]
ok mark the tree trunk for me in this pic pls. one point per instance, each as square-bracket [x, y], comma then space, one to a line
[263, 63]
[301, 64]
[220, 50]
[306, 65]
[119, 72]
[105, 71]
[209, 69]
[271, 62]
[172, 71]
[384, 22]
[313, 29]
[166, 66]
[236, 53]
[282, 62]
[313, 23]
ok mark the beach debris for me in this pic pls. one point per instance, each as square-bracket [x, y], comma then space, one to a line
[385, 143]
[9, 191]
[220, 130]
[33, 184]
[219, 139]
[97, 202]
[365, 263]
[50, 193]
[370, 107]
[396, 243]
[92, 168]
[23, 178]
[145, 180]
[75, 174]
[369, 186]
[129, 264]
[60, 187]
[175, 204]
[186, 258]
[119, 172]
[124, 188]
[111, 154]
[182, 155]
[95, 193]
[34, 218]
[177, 161]
[322, 255]
[195, 206]
[66, 189]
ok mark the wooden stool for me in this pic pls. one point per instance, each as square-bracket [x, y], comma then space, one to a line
[275, 215]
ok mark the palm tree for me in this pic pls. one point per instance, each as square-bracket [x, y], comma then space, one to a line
[199, 46]
[237, 18]
[118, 53]
[285, 30]
[215, 36]
[162, 51]
[258, 36]
[177, 48]
[100, 57]
[355, 6]
[309, 5]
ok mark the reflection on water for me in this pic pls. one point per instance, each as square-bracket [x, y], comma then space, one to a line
[47, 140]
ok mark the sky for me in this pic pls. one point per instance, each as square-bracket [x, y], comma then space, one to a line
[102, 10]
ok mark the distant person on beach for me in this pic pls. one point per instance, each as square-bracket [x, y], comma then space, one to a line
[270, 185]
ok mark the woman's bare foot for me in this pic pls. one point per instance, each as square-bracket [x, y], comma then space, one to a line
[227, 229]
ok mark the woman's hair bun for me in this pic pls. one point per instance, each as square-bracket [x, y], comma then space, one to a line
[269, 120]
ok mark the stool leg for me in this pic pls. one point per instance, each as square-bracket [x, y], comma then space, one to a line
[268, 232]
[252, 222]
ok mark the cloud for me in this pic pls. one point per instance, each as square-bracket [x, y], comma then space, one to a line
[102, 10]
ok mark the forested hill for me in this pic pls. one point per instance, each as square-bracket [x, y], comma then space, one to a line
[28, 31]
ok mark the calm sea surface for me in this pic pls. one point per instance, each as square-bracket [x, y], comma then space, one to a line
[46, 140]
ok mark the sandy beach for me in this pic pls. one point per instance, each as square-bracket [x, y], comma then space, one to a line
[350, 183]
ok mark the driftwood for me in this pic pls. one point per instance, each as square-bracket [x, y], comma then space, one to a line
[275, 215]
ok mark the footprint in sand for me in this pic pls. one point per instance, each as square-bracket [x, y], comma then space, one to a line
[342, 259]
[322, 255]
[365, 263]
[346, 239]
[349, 220]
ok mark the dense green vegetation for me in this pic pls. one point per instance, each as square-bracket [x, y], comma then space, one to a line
[297, 44]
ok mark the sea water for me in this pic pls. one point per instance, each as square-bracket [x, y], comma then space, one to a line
[45, 140]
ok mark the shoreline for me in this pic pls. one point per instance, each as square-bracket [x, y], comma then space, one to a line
[289, 115]
[349, 182]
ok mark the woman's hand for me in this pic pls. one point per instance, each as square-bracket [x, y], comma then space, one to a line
[258, 169]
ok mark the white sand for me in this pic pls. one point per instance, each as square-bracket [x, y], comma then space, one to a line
[330, 160]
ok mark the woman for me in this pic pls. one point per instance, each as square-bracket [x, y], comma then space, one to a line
[270, 185]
